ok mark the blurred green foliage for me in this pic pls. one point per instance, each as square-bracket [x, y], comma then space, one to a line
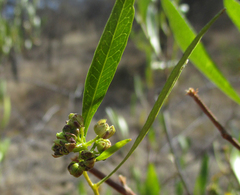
[152, 185]
[119, 123]
[20, 26]
[5, 104]
[202, 178]
[19, 30]
[5, 111]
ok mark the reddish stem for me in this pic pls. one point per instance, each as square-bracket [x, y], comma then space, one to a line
[192, 93]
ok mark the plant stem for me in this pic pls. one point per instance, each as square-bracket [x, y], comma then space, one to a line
[192, 93]
[91, 141]
[119, 188]
[82, 135]
[93, 186]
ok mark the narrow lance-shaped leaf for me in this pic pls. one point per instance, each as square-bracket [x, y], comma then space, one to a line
[233, 11]
[152, 186]
[106, 58]
[234, 161]
[184, 34]
[172, 79]
[152, 28]
[142, 6]
[110, 151]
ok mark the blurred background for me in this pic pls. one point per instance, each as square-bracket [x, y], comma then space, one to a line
[46, 48]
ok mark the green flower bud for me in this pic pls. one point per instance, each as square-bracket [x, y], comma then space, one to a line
[110, 132]
[70, 137]
[103, 130]
[62, 147]
[101, 127]
[70, 146]
[60, 142]
[71, 115]
[57, 151]
[59, 148]
[86, 155]
[88, 160]
[75, 169]
[75, 120]
[103, 144]
[87, 164]
[60, 135]
[70, 129]
[79, 148]
[66, 128]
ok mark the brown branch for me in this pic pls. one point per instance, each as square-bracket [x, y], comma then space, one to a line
[122, 189]
[192, 93]
[123, 181]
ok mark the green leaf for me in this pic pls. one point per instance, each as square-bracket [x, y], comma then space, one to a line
[110, 151]
[235, 161]
[119, 123]
[7, 111]
[4, 145]
[152, 26]
[179, 188]
[172, 79]
[82, 187]
[5, 100]
[106, 58]
[152, 186]
[184, 34]
[142, 6]
[201, 182]
[3, 89]
[233, 11]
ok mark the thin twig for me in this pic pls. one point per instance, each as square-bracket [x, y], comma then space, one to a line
[119, 188]
[123, 181]
[185, 132]
[167, 130]
[192, 93]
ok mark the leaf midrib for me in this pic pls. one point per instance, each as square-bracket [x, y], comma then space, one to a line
[104, 64]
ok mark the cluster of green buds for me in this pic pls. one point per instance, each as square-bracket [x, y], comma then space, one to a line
[67, 139]
[72, 139]
[104, 131]
[84, 163]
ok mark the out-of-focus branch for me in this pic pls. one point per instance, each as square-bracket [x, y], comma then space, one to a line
[167, 129]
[192, 93]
